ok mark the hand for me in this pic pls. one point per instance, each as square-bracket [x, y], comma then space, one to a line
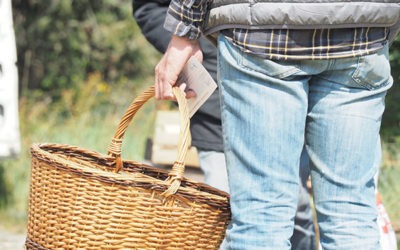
[167, 71]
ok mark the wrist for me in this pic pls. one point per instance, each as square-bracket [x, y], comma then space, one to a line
[184, 44]
[184, 40]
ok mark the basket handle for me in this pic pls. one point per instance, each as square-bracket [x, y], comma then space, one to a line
[178, 168]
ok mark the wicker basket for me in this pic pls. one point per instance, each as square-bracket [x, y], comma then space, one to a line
[80, 199]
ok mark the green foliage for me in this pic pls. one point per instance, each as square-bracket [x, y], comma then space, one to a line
[60, 42]
[389, 186]
[391, 118]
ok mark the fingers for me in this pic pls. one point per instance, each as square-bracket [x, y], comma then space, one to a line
[171, 64]
[165, 78]
[166, 74]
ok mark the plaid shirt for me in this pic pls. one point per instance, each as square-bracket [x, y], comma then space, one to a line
[185, 18]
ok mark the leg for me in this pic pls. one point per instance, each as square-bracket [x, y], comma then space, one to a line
[303, 237]
[263, 117]
[214, 168]
[346, 103]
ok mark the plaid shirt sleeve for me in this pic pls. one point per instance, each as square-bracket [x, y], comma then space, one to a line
[185, 17]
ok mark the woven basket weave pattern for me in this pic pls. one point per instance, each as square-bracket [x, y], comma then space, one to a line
[78, 201]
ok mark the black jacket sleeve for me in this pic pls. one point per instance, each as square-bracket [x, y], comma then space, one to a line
[150, 16]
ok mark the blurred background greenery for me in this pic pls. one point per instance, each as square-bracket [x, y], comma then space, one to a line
[81, 63]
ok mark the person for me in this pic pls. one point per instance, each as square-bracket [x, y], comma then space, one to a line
[206, 123]
[293, 73]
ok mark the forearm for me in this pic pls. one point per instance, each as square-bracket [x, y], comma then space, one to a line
[186, 29]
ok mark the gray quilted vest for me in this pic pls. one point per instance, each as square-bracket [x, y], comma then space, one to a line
[302, 14]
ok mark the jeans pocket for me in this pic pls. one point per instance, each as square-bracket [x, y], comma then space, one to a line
[282, 69]
[373, 71]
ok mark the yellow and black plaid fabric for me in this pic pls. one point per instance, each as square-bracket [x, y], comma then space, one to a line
[289, 44]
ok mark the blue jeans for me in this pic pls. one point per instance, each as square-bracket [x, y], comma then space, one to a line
[212, 163]
[269, 110]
